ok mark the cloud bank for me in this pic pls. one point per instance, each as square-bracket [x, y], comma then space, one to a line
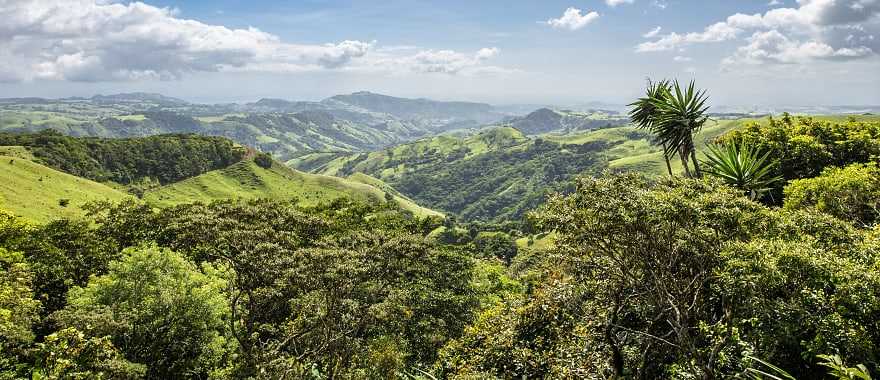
[96, 40]
[815, 30]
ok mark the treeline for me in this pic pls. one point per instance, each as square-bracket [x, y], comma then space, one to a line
[162, 158]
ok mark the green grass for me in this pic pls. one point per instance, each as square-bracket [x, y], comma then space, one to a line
[134, 117]
[246, 180]
[540, 242]
[34, 191]
[402, 201]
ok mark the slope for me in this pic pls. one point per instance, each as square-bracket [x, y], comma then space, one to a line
[247, 180]
[496, 175]
[36, 192]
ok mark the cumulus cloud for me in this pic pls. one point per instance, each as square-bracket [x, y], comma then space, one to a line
[97, 40]
[614, 3]
[447, 62]
[772, 46]
[816, 29]
[572, 19]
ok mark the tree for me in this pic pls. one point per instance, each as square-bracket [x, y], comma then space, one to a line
[18, 313]
[680, 114]
[160, 310]
[645, 114]
[742, 167]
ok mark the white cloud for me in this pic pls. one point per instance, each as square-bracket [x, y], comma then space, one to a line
[774, 3]
[653, 32]
[572, 19]
[614, 3]
[817, 29]
[97, 40]
[774, 47]
[679, 58]
[444, 62]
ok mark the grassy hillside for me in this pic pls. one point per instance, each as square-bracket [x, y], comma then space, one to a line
[246, 180]
[35, 192]
[495, 175]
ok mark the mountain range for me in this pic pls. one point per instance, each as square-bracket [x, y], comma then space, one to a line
[358, 122]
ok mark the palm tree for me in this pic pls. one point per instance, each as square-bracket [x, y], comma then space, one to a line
[644, 113]
[742, 167]
[681, 113]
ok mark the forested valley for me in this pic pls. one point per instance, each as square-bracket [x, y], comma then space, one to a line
[675, 247]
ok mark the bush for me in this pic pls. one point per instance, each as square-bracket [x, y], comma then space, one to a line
[263, 160]
[851, 193]
[159, 309]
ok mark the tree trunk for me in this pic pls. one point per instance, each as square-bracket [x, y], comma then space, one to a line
[693, 149]
[666, 158]
[683, 155]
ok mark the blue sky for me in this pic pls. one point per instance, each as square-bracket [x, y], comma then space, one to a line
[805, 52]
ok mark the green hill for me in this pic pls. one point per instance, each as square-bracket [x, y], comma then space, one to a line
[247, 180]
[36, 192]
[495, 175]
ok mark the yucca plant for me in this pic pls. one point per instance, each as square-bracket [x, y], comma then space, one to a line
[644, 113]
[742, 167]
[681, 114]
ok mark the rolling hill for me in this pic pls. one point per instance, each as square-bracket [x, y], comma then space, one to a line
[547, 120]
[361, 121]
[38, 181]
[40, 193]
[495, 175]
[247, 180]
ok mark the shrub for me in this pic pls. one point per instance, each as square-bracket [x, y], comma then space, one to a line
[851, 193]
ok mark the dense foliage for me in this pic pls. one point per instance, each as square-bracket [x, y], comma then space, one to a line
[680, 278]
[851, 193]
[239, 289]
[805, 146]
[163, 158]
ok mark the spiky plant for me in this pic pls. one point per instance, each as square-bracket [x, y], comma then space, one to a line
[644, 113]
[742, 167]
[681, 114]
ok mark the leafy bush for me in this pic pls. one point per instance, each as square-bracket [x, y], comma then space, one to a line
[805, 146]
[161, 310]
[263, 160]
[851, 193]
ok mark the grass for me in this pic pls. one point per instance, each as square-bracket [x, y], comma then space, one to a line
[35, 192]
[246, 180]
[402, 201]
[540, 242]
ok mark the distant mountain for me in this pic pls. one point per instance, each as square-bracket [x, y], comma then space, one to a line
[546, 120]
[404, 108]
[139, 97]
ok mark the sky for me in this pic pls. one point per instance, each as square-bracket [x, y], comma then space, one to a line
[744, 52]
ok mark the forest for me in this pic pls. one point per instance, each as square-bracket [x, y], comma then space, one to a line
[759, 259]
